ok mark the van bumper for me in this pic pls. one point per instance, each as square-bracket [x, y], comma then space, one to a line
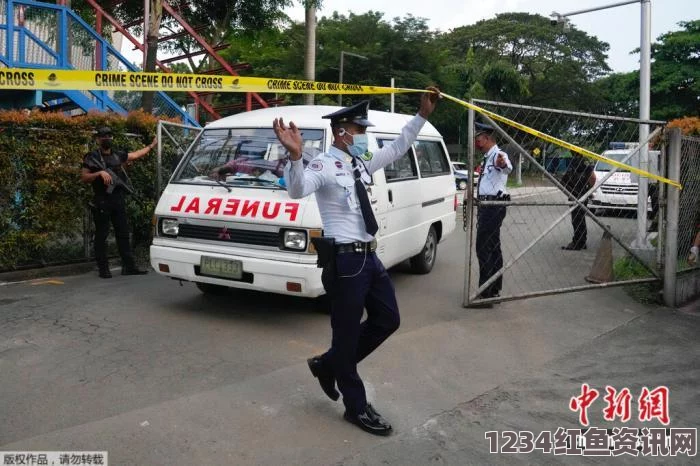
[259, 274]
[603, 201]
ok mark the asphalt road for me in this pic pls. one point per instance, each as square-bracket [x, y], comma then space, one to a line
[158, 373]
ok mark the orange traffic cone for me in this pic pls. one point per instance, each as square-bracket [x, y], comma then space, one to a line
[602, 270]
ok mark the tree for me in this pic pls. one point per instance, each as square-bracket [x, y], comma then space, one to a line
[556, 67]
[675, 79]
[675, 74]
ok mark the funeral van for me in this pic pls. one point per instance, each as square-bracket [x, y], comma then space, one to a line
[242, 230]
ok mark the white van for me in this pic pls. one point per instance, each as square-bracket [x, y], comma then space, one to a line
[620, 191]
[246, 232]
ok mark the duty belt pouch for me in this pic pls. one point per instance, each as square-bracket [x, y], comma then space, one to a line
[325, 248]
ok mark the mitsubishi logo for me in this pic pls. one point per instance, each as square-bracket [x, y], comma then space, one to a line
[223, 234]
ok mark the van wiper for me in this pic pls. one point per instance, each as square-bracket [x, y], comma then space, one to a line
[221, 183]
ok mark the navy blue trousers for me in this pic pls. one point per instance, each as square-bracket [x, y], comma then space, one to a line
[362, 282]
[488, 247]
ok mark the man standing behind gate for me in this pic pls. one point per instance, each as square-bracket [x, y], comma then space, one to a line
[492, 187]
[578, 179]
[353, 275]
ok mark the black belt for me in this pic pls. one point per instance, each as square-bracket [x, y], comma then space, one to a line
[357, 246]
[502, 197]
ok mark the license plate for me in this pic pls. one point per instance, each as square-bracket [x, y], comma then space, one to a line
[218, 267]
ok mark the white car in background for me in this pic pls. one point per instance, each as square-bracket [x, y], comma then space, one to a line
[461, 170]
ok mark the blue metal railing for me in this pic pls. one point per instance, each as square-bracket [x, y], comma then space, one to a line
[60, 56]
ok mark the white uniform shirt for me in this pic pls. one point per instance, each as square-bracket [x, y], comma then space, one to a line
[330, 176]
[492, 178]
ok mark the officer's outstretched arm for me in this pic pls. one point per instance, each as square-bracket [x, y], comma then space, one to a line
[397, 148]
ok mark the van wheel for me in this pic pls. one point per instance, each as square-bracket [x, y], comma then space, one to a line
[462, 185]
[423, 262]
[214, 290]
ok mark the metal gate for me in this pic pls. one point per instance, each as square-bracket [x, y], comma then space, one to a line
[537, 222]
[174, 140]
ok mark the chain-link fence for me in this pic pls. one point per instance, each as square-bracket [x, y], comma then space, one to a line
[689, 208]
[561, 222]
[682, 280]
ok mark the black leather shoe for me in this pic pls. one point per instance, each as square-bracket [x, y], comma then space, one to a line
[133, 271]
[574, 247]
[325, 377]
[105, 273]
[370, 421]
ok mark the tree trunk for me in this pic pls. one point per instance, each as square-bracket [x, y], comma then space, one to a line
[156, 14]
[310, 55]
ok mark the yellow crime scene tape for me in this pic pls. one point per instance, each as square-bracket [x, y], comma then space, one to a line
[80, 80]
[59, 79]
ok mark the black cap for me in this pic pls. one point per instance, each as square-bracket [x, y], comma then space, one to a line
[105, 131]
[355, 114]
[480, 128]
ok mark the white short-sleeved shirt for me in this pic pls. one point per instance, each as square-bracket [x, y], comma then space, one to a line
[492, 178]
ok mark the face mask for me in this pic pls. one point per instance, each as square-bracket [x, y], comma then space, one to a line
[359, 145]
[106, 144]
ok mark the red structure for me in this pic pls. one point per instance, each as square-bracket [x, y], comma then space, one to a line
[253, 100]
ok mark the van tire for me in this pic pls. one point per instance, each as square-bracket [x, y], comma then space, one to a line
[423, 262]
[214, 290]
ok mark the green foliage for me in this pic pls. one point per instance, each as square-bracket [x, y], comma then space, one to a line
[43, 204]
[675, 79]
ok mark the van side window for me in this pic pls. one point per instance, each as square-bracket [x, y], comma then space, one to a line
[401, 169]
[432, 159]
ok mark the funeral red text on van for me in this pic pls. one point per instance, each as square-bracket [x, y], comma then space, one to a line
[236, 207]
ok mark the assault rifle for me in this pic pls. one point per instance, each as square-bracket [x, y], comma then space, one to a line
[94, 162]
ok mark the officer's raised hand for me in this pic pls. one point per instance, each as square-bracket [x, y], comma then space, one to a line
[289, 137]
[428, 101]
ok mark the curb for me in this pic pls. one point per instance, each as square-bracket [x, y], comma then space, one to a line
[79, 268]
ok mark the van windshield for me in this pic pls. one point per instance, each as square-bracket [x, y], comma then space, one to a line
[243, 157]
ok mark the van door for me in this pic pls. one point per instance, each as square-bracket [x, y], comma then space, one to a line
[402, 191]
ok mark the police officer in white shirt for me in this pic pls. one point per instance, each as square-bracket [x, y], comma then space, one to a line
[357, 280]
[492, 187]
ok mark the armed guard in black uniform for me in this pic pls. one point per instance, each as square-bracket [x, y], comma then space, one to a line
[102, 168]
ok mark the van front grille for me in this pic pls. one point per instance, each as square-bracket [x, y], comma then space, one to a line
[231, 235]
[628, 190]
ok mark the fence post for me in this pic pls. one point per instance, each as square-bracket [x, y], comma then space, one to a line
[468, 206]
[159, 159]
[672, 212]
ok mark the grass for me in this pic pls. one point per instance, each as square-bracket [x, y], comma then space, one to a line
[629, 268]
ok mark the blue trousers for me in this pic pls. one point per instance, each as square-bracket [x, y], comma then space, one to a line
[361, 282]
[488, 247]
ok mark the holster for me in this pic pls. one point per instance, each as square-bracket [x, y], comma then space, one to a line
[325, 249]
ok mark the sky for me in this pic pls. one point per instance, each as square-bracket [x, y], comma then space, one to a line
[619, 26]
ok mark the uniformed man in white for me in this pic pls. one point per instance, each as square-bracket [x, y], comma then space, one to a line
[358, 279]
[495, 168]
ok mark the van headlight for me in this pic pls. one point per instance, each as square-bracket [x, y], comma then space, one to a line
[294, 239]
[169, 226]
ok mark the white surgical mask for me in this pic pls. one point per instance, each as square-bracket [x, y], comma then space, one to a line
[359, 145]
